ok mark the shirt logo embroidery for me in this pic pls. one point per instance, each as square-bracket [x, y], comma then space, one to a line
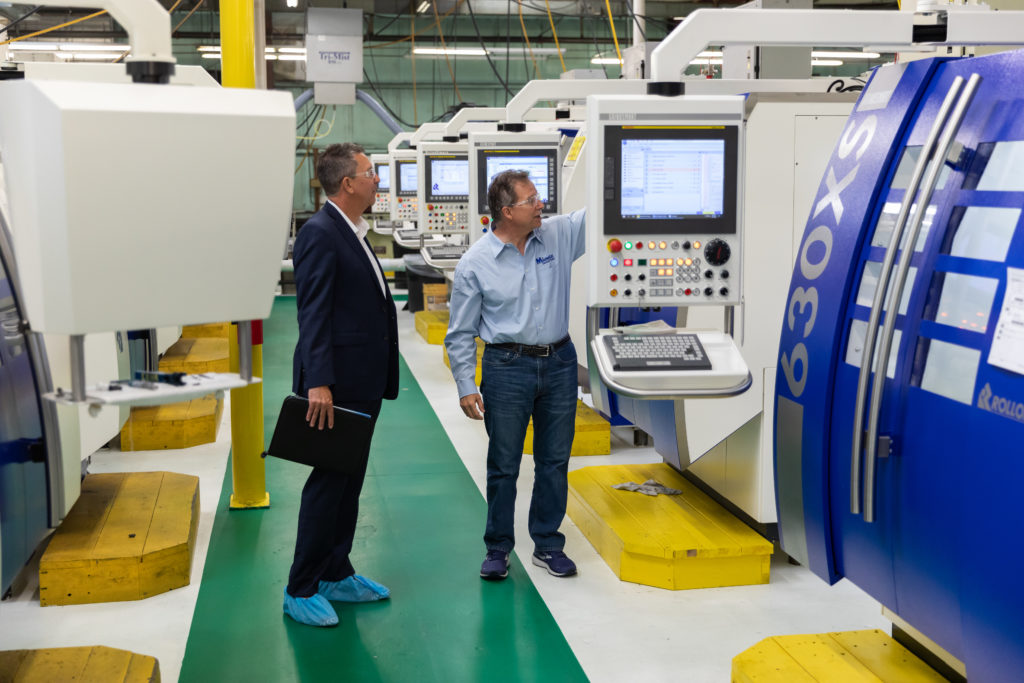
[541, 260]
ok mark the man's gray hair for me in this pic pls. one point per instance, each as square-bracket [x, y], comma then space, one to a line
[502, 191]
[336, 162]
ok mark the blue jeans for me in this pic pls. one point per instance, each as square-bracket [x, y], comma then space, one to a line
[514, 387]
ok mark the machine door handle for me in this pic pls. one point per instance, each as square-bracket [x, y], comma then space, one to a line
[899, 227]
[956, 119]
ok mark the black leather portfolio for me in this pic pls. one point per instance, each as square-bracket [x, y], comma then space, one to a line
[343, 448]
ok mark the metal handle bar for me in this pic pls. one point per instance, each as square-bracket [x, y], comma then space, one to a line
[874, 410]
[898, 229]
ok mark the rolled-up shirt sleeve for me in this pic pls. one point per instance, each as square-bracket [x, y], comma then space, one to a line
[463, 327]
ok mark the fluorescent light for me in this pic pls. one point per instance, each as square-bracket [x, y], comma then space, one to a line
[606, 60]
[423, 7]
[826, 62]
[710, 61]
[89, 56]
[710, 54]
[830, 54]
[462, 51]
[269, 50]
[32, 46]
[293, 50]
[292, 3]
[291, 58]
[209, 48]
[211, 55]
[270, 58]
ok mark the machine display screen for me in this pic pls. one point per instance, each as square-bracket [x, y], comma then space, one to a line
[447, 177]
[539, 163]
[670, 179]
[384, 173]
[407, 178]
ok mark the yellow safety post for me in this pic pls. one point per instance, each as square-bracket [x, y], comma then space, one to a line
[248, 474]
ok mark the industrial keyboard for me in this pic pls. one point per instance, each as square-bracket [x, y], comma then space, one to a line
[408, 234]
[447, 252]
[656, 352]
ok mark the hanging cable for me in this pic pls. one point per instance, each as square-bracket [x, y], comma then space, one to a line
[615, 38]
[554, 33]
[527, 38]
[472, 16]
[409, 37]
[54, 28]
[444, 47]
[20, 19]
[187, 16]
[639, 26]
[412, 37]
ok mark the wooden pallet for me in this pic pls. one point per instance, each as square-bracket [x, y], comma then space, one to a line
[846, 657]
[127, 537]
[432, 325]
[674, 542]
[95, 664]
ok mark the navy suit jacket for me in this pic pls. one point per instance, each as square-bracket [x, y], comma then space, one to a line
[348, 334]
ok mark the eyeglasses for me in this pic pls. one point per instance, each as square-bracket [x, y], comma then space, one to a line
[531, 200]
[365, 174]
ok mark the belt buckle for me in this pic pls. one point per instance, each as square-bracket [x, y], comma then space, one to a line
[545, 350]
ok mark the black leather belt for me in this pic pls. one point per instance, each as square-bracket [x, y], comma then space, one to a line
[531, 349]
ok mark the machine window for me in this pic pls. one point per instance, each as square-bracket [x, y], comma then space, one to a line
[966, 301]
[869, 283]
[384, 173]
[855, 346]
[950, 370]
[887, 220]
[906, 169]
[1002, 172]
[985, 233]
[408, 178]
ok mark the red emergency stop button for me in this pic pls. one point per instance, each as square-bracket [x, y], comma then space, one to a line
[484, 220]
[614, 246]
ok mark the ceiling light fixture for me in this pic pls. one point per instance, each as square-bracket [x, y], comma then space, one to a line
[606, 60]
[460, 51]
[826, 62]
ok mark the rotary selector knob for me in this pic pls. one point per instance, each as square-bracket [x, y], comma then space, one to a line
[642, 292]
[641, 277]
[724, 274]
[708, 291]
[709, 274]
[724, 291]
[717, 252]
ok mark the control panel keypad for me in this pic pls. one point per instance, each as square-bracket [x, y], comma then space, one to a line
[449, 217]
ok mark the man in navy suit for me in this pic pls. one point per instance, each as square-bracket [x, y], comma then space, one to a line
[347, 355]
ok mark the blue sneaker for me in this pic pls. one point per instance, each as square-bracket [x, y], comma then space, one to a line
[495, 566]
[354, 589]
[555, 561]
[313, 611]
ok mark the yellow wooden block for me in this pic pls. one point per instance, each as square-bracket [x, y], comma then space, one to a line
[174, 425]
[674, 542]
[95, 664]
[129, 536]
[216, 330]
[840, 657]
[479, 356]
[205, 354]
[593, 433]
[432, 325]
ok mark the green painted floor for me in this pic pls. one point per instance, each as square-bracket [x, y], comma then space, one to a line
[420, 527]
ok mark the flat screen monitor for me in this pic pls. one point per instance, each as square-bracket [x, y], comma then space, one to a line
[541, 164]
[384, 173]
[447, 177]
[408, 178]
[670, 179]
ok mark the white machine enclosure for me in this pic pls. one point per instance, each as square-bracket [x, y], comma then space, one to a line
[404, 185]
[490, 153]
[639, 259]
[789, 139]
[101, 246]
[444, 183]
[382, 200]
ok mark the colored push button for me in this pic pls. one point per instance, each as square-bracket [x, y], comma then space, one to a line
[663, 245]
[629, 245]
[430, 207]
[614, 277]
[484, 220]
[627, 262]
[613, 262]
[614, 246]
[639, 245]
[614, 292]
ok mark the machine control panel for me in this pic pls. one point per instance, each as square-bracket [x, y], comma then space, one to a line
[490, 153]
[404, 184]
[382, 200]
[664, 200]
[444, 188]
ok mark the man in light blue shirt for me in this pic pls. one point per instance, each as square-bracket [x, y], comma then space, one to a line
[511, 289]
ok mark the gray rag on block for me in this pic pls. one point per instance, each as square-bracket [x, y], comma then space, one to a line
[648, 488]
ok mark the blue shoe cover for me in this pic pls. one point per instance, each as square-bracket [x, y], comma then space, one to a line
[354, 589]
[314, 611]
